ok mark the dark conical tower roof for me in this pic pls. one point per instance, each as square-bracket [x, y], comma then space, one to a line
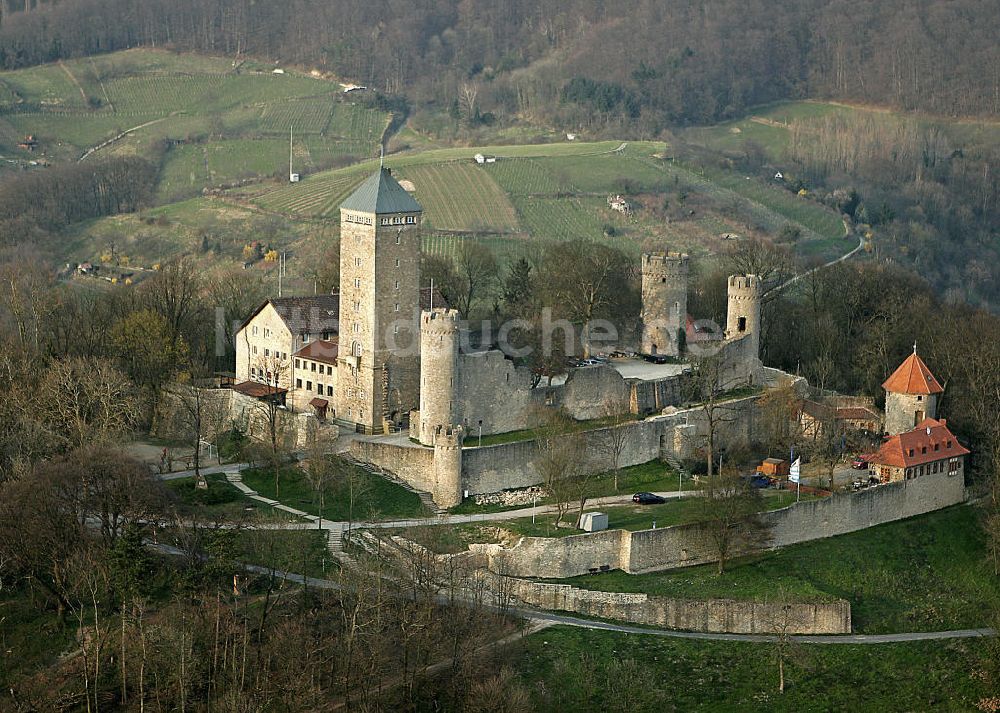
[381, 193]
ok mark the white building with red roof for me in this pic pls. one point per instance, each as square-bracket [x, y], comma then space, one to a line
[929, 448]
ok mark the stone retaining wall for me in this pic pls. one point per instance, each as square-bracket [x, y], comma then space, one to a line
[727, 616]
[686, 545]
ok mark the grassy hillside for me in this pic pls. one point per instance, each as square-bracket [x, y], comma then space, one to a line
[922, 574]
[559, 190]
[217, 123]
[564, 668]
[209, 124]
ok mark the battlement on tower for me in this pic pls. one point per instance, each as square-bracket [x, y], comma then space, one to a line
[448, 436]
[440, 319]
[666, 262]
[749, 284]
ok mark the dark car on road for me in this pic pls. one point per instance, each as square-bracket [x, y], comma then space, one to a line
[648, 499]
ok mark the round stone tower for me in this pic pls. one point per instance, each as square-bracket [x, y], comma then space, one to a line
[911, 395]
[743, 314]
[448, 466]
[664, 302]
[439, 341]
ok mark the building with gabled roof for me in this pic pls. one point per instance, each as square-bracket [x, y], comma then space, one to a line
[911, 395]
[929, 448]
[292, 343]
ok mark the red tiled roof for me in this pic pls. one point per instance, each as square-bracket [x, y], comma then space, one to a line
[856, 413]
[319, 403]
[316, 314]
[912, 377]
[258, 390]
[928, 442]
[323, 350]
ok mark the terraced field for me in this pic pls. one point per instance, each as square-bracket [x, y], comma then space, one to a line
[462, 197]
[561, 218]
[303, 116]
[526, 176]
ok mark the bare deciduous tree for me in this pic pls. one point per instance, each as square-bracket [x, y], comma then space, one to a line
[729, 511]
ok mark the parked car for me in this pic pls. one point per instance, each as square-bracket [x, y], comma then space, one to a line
[656, 358]
[759, 481]
[860, 463]
[648, 499]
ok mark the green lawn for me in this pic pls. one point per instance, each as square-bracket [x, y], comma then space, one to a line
[922, 574]
[473, 441]
[220, 501]
[298, 551]
[375, 497]
[634, 517]
[571, 669]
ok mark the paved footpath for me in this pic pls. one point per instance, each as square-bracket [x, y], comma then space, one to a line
[236, 480]
[543, 618]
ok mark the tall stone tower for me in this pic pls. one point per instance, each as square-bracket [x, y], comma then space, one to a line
[911, 395]
[743, 313]
[378, 358]
[439, 375]
[664, 302]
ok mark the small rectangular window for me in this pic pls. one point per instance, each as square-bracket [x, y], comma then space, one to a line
[357, 282]
[395, 307]
[319, 388]
[397, 284]
[397, 262]
[397, 239]
[329, 390]
[296, 363]
[298, 383]
[309, 386]
[312, 366]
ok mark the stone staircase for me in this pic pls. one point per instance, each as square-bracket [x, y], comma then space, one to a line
[424, 496]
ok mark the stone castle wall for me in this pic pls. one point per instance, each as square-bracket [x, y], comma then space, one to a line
[414, 465]
[680, 434]
[685, 545]
[493, 390]
[224, 409]
[711, 616]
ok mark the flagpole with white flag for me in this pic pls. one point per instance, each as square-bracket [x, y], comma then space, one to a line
[794, 475]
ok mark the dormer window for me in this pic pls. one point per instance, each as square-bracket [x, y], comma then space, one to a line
[386, 221]
[305, 338]
[411, 219]
[920, 398]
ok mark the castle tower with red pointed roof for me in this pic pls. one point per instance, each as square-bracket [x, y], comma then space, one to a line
[911, 395]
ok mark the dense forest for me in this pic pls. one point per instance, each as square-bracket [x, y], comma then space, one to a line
[639, 62]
